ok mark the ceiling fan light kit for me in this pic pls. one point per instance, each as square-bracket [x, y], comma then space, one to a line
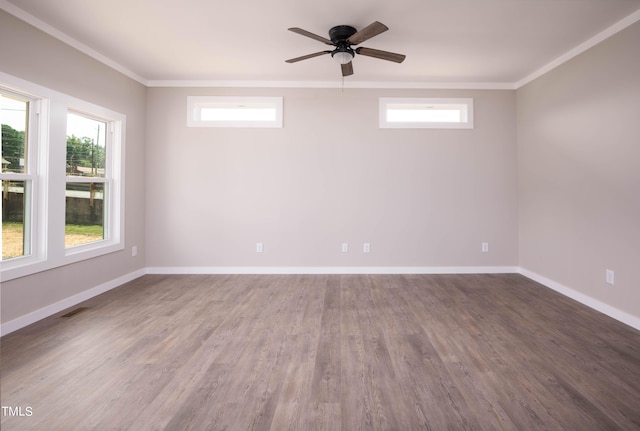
[343, 56]
[342, 37]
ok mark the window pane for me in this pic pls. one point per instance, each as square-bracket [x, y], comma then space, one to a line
[13, 116]
[84, 217]
[424, 115]
[86, 146]
[15, 225]
[238, 114]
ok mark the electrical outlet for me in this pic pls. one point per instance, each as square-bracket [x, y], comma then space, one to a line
[259, 247]
[345, 247]
[134, 251]
[366, 247]
[609, 277]
[485, 247]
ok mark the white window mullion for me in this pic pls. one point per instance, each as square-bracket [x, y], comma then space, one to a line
[40, 160]
[57, 181]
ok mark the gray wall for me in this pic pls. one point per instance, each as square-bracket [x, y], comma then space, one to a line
[579, 172]
[563, 203]
[420, 197]
[31, 55]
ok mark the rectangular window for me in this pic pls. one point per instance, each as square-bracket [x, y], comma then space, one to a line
[221, 111]
[62, 198]
[93, 207]
[87, 178]
[17, 173]
[414, 113]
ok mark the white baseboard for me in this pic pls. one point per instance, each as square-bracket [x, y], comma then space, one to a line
[335, 270]
[49, 310]
[52, 309]
[590, 302]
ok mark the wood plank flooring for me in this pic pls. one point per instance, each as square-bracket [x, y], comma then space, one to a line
[324, 352]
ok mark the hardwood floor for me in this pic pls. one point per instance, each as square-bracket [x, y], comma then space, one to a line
[324, 352]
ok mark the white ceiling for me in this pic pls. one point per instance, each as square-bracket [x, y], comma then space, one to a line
[446, 41]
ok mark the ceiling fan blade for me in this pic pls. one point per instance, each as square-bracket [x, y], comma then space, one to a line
[311, 35]
[383, 55]
[367, 33]
[304, 57]
[347, 69]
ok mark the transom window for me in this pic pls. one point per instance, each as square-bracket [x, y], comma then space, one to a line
[408, 113]
[222, 111]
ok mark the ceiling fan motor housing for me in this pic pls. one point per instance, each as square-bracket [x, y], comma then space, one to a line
[341, 33]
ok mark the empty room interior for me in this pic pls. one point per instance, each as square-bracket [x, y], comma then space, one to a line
[357, 215]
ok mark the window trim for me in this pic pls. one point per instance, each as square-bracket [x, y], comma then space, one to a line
[114, 203]
[35, 207]
[196, 104]
[48, 249]
[466, 113]
[106, 180]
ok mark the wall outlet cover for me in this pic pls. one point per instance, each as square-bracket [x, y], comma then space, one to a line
[609, 277]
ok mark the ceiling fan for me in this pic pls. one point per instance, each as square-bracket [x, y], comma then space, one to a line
[342, 37]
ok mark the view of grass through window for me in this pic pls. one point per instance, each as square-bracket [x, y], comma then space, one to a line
[13, 234]
[77, 234]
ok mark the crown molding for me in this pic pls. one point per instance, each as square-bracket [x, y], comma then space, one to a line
[590, 43]
[65, 38]
[54, 32]
[334, 84]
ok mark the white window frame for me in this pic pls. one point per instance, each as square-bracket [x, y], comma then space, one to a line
[463, 105]
[197, 105]
[49, 188]
[112, 203]
[35, 157]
